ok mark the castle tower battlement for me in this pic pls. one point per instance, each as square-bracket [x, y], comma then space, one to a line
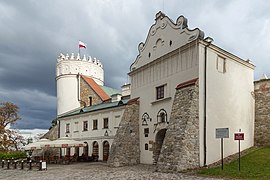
[68, 68]
[88, 66]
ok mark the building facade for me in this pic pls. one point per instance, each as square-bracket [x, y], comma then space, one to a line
[87, 110]
[95, 125]
[187, 87]
[183, 88]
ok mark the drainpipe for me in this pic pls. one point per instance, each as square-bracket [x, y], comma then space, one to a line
[208, 40]
[58, 128]
[78, 87]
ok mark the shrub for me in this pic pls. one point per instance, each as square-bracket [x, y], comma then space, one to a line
[13, 155]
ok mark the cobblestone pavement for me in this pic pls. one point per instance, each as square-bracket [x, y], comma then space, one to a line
[92, 171]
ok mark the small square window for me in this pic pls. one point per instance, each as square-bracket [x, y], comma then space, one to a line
[95, 124]
[146, 132]
[105, 123]
[160, 92]
[146, 146]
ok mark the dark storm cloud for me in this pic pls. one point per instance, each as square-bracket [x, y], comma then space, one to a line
[34, 33]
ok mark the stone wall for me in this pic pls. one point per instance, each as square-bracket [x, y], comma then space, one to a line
[262, 112]
[180, 149]
[86, 91]
[125, 149]
[52, 134]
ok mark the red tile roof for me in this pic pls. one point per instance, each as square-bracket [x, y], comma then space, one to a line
[96, 88]
[187, 83]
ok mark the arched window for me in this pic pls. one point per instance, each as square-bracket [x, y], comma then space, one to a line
[162, 116]
[145, 118]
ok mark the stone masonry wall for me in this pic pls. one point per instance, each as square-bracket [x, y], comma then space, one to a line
[52, 134]
[86, 91]
[262, 113]
[180, 149]
[125, 148]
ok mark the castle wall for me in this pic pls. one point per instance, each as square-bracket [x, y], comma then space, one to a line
[180, 149]
[262, 113]
[67, 82]
[86, 91]
[53, 133]
[125, 148]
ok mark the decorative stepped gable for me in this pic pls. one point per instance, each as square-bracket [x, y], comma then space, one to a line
[157, 45]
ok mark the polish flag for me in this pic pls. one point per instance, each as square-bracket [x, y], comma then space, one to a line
[82, 44]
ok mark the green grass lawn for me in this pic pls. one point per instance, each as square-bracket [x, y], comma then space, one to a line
[254, 165]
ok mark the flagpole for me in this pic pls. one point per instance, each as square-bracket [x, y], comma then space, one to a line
[79, 49]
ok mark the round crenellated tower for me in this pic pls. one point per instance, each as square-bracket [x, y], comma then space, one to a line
[68, 69]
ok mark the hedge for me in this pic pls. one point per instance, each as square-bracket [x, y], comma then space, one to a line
[13, 154]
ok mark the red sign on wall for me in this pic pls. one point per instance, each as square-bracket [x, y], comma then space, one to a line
[238, 136]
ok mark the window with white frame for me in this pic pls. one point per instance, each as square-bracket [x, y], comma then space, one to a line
[162, 116]
[67, 128]
[105, 123]
[76, 126]
[221, 64]
[85, 125]
[160, 92]
[95, 124]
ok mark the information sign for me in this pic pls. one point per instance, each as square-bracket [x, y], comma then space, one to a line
[239, 136]
[222, 133]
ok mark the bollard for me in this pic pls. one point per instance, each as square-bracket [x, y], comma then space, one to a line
[30, 165]
[15, 164]
[40, 165]
[22, 164]
[8, 163]
[3, 163]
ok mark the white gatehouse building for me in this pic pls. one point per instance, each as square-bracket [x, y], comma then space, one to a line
[182, 88]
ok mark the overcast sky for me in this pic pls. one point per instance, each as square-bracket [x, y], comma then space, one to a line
[33, 33]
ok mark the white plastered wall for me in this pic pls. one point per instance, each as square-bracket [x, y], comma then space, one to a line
[114, 115]
[230, 103]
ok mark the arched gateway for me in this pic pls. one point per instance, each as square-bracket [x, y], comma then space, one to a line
[158, 144]
[106, 149]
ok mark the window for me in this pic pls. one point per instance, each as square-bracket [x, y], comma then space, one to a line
[105, 123]
[160, 92]
[221, 62]
[146, 132]
[67, 128]
[90, 101]
[146, 146]
[76, 126]
[162, 116]
[95, 124]
[85, 125]
[145, 118]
